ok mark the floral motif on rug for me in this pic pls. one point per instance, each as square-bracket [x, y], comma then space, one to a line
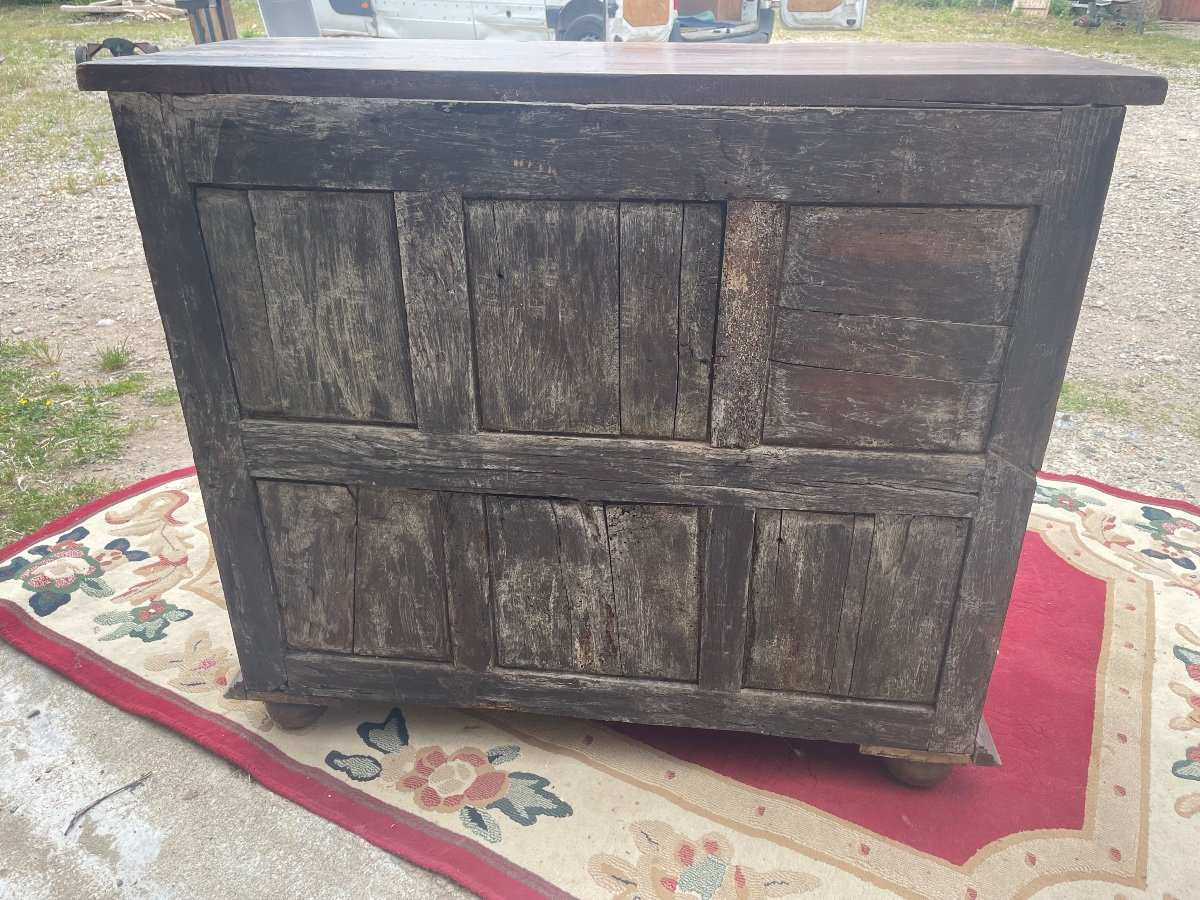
[1095, 707]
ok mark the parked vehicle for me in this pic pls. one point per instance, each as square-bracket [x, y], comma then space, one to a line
[744, 21]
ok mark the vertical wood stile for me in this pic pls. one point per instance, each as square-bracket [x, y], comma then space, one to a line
[699, 286]
[852, 604]
[468, 594]
[433, 268]
[751, 267]
[175, 252]
[729, 548]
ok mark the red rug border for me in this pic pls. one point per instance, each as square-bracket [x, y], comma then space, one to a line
[466, 864]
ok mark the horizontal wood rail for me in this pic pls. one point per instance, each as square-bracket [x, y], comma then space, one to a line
[902, 725]
[621, 470]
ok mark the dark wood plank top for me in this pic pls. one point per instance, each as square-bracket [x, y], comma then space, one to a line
[783, 74]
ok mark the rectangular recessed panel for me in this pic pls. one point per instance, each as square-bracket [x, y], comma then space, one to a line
[583, 587]
[831, 408]
[310, 530]
[912, 584]
[308, 283]
[951, 264]
[545, 293]
[801, 563]
[400, 575]
[915, 348]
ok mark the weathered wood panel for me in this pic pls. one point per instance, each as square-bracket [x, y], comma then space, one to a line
[400, 575]
[651, 241]
[831, 408]
[951, 156]
[958, 265]
[552, 585]
[699, 286]
[912, 585]
[1055, 279]
[228, 227]
[434, 271]
[468, 589]
[621, 470]
[801, 561]
[746, 320]
[852, 604]
[679, 703]
[915, 348]
[331, 277]
[728, 562]
[175, 253]
[656, 583]
[544, 278]
[310, 530]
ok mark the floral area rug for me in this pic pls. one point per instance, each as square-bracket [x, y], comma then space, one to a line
[1095, 708]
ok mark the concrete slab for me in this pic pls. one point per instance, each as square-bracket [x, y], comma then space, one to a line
[197, 828]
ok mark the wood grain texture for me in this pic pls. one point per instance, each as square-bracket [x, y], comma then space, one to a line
[831, 408]
[834, 74]
[912, 585]
[228, 227]
[544, 278]
[801, 561]
[310, 529]
[400, 575]
[331, 278]
[699, 286]
[616, 469]
[852, 604]
[952, 156]
[1056, 276]
[656, 584]
[899, 725]
[651, 241]
[984, 593]
[468, 588]
[957, 265]
[175, 253]
[728, 562]
[434, 270]
[552, 585]
[746, 320]
[914, 348]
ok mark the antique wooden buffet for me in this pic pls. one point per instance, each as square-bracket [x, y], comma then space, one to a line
[691, 385]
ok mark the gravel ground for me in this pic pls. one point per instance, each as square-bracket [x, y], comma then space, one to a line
[69, 262]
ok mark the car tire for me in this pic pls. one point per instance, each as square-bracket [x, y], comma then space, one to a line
[587, 27]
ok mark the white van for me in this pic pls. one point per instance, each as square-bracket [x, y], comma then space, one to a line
[693, 21]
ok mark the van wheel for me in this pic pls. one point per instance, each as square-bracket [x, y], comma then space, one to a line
[587, 27]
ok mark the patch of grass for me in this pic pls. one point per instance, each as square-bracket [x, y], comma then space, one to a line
[1082, 396]
[48, 429]
[114, 359]
[133, 383]
[38, 351]
[45, 120]
[81, 183]
[165, 396]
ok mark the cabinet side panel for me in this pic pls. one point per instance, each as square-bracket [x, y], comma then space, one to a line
[656, 584]
[912, 585]
[400, 575]
[311, 532]
[796, 599]
[228, 227]
[331, 278]
[651, 238]
[545, 292]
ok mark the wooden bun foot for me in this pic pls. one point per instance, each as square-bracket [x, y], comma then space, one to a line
[291, 716]
[917, 774]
